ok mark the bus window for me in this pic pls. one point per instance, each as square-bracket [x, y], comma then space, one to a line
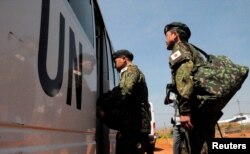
[110, 65]
[84, 13]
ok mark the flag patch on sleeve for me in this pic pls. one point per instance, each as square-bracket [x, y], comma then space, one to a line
[175, 55]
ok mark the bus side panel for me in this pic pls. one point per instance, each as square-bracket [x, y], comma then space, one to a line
[36, 118]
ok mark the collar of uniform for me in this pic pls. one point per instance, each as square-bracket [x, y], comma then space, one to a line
[175, 48]
[123, 70]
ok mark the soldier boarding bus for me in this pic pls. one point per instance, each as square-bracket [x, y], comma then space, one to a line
[55, 62]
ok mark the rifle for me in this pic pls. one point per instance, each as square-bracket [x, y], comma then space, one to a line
[170, 92]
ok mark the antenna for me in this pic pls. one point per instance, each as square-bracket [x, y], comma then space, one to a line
[239, 107]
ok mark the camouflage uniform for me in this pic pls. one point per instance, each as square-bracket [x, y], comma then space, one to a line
[127, 107]
[134, 94]
[182, 62]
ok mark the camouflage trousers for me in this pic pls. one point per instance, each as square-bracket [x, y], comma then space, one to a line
[197, 140]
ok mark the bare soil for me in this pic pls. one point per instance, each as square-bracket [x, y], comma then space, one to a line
[165, 145]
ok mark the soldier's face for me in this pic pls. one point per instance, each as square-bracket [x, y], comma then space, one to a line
[120, 63]
[170, 39]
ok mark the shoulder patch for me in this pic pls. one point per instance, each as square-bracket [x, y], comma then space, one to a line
[175, 55]
[178, 57]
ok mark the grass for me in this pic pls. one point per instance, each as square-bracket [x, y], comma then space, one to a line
[165, 133]
[226, 129]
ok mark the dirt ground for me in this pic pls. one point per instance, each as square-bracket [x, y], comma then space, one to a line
[165, 146]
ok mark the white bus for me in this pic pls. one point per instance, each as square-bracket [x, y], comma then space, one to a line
[48, 100]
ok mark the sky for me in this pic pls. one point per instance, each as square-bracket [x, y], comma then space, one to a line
[218, 27]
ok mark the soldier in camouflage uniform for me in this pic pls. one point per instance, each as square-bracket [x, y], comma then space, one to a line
[128, 104]
[198, 122]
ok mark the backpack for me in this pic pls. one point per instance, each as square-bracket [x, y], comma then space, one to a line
[218, 79]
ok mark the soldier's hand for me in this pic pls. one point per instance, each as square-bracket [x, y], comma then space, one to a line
[186, 121]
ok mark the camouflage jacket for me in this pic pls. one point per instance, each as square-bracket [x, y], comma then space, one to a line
[182, 62]
[134, 99]
[126, 107]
